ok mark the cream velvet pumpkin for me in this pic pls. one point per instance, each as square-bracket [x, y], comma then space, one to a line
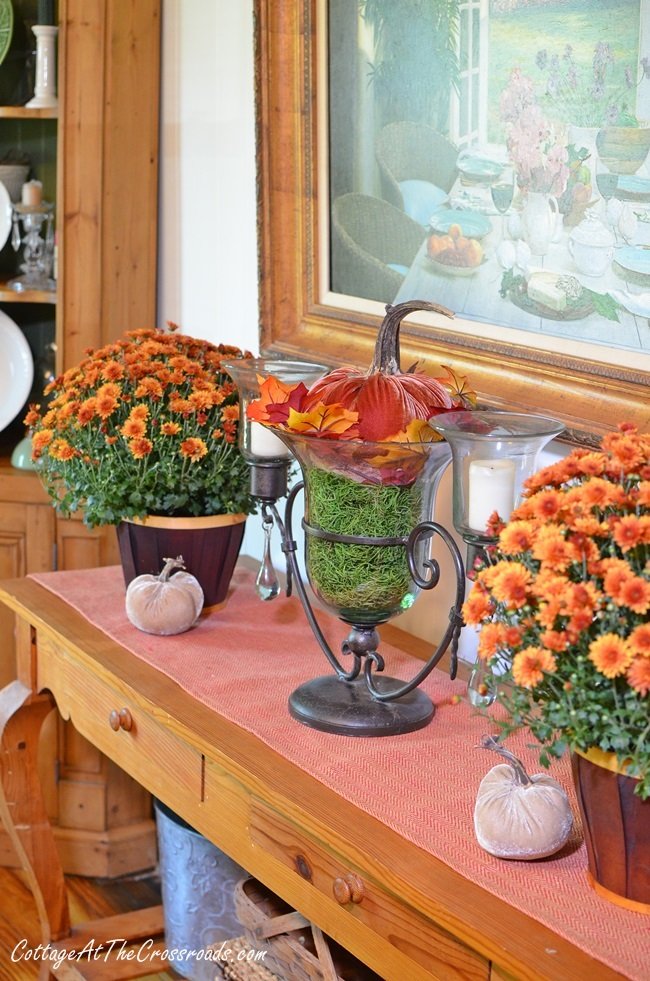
[167, 603]
[518, 816]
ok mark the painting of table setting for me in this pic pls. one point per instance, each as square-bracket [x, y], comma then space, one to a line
[525, 239]
[528, 191]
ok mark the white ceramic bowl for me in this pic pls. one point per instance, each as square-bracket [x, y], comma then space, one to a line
[16, 370]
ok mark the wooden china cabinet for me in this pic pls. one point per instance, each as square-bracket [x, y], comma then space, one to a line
[97, 157]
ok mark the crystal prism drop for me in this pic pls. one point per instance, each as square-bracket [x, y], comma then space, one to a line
[480, 688]
[267, 584]
[15, 235]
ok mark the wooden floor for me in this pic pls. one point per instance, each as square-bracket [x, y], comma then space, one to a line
[88, 899]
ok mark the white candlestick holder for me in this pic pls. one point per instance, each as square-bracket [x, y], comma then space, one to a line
[45, 88]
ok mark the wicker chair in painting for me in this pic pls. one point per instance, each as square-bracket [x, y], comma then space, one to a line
[417, 167]
[373, 244]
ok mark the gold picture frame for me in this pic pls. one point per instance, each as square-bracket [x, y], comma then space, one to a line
[590, 395]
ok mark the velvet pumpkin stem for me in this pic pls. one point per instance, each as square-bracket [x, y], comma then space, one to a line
[386, 358]
[170, 566]
[489, 742]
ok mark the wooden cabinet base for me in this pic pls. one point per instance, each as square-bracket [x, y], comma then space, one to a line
[98, 854]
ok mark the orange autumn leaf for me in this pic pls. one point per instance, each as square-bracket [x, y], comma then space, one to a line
[275, 400]
[418, 431]
[458, 387]
[325, 420]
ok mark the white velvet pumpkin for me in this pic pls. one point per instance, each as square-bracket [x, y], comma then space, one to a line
[518, 816]
[168, 603]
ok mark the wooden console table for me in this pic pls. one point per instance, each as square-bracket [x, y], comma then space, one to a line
[400, 910]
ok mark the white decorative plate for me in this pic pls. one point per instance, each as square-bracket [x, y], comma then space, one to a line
[5, 215]
[16, 370]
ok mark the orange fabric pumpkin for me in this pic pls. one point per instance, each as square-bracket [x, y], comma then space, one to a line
[386, 398]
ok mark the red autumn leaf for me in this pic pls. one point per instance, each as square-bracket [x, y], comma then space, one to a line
[275, 400]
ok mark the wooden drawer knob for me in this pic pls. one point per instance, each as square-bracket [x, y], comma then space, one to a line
[348, 889]
[121, 720]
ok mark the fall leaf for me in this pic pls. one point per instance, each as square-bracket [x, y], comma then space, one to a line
[275, 400]
[327, 421]
[458, 386]
[417, 431]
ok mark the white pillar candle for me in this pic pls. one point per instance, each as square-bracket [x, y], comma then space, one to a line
[491, 488]
[32, 194]
[265, 443]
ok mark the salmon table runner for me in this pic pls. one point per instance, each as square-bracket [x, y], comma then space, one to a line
[244, 661]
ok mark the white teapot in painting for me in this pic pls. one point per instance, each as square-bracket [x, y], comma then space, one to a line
[591, 246]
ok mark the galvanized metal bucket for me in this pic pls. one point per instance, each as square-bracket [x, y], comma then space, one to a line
[198, 892]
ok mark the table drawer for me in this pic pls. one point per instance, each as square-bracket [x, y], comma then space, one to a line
[132, 732]
[366, 897]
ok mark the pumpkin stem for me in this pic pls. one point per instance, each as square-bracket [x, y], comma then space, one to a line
[386, 358]
[489, 742]
[170, 566]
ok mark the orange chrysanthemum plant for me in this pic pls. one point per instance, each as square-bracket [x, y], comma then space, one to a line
[563, 604]
[146, 425]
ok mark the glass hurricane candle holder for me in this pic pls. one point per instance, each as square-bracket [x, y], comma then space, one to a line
[259, 445]
[268, 457]
[368, 528]
[493, 453]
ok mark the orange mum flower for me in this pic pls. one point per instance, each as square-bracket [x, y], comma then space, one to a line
[638, 675]
[511, 585]
[490, 640]
[170, 428]
[597, 493]
[41, 439]
[106, 405]
[639, 640]
[230, 413]
[113, 371]
[548, 612]
[86, 411]
[555, 640]
[140, 448]
[193, 448]
[133, 428]
[183, 406]
[517, 536]
[529, 665]
[635, 594]
[512, 637]
[477, 606]
[551, 548]
[610, 654]
[625, 449]
[627, 532]
[592, 464]
[149, 388]
[203, 400]
[546, 504]
[617, 573]
[60, 449]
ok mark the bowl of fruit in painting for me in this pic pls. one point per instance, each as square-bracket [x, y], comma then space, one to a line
[455, 253]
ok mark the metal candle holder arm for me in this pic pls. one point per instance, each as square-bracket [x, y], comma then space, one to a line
[363, 641]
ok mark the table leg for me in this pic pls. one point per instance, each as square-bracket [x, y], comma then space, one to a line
[22, 808]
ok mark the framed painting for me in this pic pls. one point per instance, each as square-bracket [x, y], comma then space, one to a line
[488, 155]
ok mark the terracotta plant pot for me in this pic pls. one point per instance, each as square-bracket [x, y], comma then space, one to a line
[616, 825]
[209, 546]
[623, 148]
